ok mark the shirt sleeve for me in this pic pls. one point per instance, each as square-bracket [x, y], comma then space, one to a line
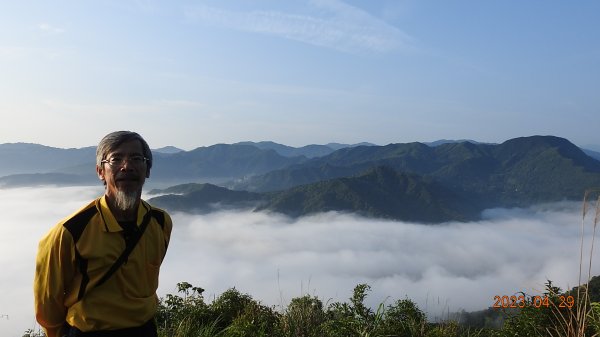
[54, 268]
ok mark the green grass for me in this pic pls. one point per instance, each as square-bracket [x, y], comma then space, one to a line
[234, 314]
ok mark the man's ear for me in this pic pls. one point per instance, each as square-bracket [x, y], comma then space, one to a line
[100, 172]
[147, 173]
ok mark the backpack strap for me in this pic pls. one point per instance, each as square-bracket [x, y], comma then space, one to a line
[76, 228]
[129, 246]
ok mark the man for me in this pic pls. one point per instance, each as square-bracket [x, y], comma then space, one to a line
[97, 270]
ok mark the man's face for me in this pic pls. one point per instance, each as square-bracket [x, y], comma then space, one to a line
[125, 177]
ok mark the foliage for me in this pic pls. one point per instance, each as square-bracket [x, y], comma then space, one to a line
[404, 319]
[377, 192]
[178, 315]
[254, 320]
[411, 182]
[234, 314]
[594, 318]
[303, 317]
[552, 315]
[354, 318]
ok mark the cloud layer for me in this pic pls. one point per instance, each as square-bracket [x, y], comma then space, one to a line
[273, 258]
[463, 265]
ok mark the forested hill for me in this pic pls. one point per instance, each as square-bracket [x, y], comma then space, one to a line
[409, 181]
[452, 181]
[520, 171]
[380, 192]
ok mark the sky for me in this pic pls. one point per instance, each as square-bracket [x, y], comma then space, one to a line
[197, 73]
[273, 258]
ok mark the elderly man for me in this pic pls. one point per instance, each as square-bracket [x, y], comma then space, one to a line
[97, 270]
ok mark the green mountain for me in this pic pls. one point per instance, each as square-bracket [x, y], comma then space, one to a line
[22, 164]
[412, 181]
[518, 172]
[221, 160]
[202, 198]
[309, 151]
[380, 192]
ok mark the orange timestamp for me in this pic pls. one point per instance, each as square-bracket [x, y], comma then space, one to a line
[503, 302]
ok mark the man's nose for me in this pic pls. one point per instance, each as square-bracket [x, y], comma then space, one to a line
[127, 165]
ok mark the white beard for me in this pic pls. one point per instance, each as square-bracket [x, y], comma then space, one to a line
[126, 200]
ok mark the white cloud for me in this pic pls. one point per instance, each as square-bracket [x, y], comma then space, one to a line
[341, 26]
[28, 213]
[275, 258]
[49, 29]
[464, 264]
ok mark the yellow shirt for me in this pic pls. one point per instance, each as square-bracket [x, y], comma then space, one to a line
[78, 251]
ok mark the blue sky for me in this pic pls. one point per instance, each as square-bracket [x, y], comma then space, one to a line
[196, 73]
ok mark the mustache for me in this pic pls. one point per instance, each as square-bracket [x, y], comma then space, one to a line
[127, 176]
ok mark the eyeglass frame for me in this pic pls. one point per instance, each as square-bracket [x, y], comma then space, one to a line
[129, 159]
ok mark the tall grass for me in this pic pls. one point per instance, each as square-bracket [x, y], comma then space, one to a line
[583, 321]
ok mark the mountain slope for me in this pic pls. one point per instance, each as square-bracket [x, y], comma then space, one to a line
[23, 158]
[214, 163]
[309, 151]
[518, 172]
[219, 160]
[380, 192]
[202, 198]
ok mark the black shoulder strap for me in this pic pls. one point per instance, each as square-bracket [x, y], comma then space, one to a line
[76, 225]
[129, 246]
[159, 216]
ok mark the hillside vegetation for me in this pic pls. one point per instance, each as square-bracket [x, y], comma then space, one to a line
[553, 313]
[416, 182]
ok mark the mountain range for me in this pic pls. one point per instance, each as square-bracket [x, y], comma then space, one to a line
[216, 163]
[431, 183]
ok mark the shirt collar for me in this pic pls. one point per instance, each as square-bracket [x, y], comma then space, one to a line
[110, 223]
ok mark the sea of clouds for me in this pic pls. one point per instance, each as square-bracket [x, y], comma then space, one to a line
[446, 267]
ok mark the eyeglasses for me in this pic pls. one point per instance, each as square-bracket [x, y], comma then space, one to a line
[117, 161]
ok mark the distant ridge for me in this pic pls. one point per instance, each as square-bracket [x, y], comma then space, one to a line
[309, 151]
[416, 182]
[167, 149]
[518, 172]
[452, 181]
[593, 154]
[448, 141]
[23, 158]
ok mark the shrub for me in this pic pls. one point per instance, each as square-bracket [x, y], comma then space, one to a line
[255, 320]
[183, 315]
[303, 317]
[403, 319]
[354, 319]
[234, 314]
